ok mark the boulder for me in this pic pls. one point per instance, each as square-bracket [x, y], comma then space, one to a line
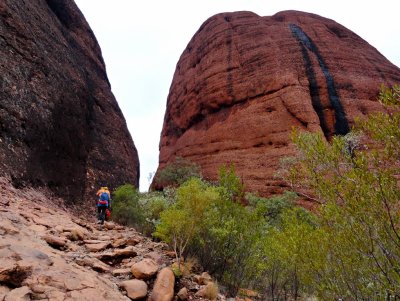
[133, 241]
[117, 255]
[205, 278]
[13, 272]
[38, 228]
[76, 233]
[109, 225]
[55, 242]
[93, 241]
[22, 293]
[163, 289]
[144, 269]
[156, 256]
[98, 246]
[4, 290]
[119, 243]
[182, 294]
[136, 289]
[248, 293]
[125, 253]
[6, 227]
[43, 222]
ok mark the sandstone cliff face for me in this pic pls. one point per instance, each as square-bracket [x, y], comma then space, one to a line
[244, 81]
[60, 125]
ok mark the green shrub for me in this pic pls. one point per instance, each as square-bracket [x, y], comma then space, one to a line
[227, 232]
[152, 205]
[180, 223]
[126, 209]
[177, 172]
[231, 182]
[272, 208]
[280, 254]
[230, 232]
[355, 248]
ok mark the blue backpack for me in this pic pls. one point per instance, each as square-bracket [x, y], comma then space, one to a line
[104, 199]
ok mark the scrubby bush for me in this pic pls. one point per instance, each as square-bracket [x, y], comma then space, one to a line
[207, 222]
[227, 240]
[211, 291]
[177, 172]
[356, 256]
[272, 208]
[126, 209]
[233, 186]
[152, 205]
[281, 253]
[139, 210]
[182, 222]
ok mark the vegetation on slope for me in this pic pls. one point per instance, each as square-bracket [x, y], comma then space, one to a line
[349, 248]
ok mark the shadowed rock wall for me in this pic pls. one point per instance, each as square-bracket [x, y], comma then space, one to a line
[60, 125]
[244, 81]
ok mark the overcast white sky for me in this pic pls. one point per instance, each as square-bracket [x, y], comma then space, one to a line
[142, 41]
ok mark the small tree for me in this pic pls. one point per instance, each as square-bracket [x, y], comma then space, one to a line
[231, 182]
[182, 222]
[283, 253]
[176, 229]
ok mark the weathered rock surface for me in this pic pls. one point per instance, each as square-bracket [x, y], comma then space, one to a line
[60, 125]
[144, 269]
[136, 289]
[182, 294]
[244, 81]
[97, 246]
[163, 289]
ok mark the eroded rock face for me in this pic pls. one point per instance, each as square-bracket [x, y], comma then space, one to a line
[244, 81]
[60, 125]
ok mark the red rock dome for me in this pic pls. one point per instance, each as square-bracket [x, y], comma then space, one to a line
[244, 81]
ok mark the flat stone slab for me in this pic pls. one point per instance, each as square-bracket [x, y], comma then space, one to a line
[98, 246]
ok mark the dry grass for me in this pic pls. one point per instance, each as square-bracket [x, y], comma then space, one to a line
[190, 264]
[74, 236]
[211, 291]
[186, 267]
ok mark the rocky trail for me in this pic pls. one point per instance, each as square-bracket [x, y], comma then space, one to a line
[47, 253]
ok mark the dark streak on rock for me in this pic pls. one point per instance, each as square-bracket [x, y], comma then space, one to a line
[314, 92]
[341, 123]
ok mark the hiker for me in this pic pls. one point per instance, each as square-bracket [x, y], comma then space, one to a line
[103, 204]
